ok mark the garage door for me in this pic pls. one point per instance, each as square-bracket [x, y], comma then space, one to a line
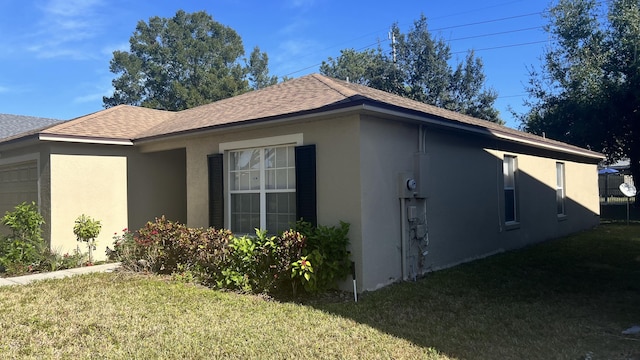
[18, 183]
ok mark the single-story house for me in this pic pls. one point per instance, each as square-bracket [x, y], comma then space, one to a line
[423, 188]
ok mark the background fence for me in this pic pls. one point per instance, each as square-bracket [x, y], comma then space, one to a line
[609, 188]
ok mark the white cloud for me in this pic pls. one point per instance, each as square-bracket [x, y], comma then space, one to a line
[95, 92]
[109, 49]
[88, 98]
[65, 27]
[305, 4]
[3, 89]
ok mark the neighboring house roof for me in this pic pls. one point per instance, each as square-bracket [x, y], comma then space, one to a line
[12, 125]
[308, 95]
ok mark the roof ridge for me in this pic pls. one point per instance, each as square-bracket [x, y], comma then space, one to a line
[335, 85]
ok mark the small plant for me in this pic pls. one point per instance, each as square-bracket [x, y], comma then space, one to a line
[54, 260]
[302, 270]
[87, 230]
[23, 249]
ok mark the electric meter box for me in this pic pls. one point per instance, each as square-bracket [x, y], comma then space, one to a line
[407, 185]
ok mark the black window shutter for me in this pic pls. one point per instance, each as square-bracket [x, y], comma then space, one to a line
[216, 191]
[306, 200]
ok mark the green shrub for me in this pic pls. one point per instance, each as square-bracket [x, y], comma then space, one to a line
[167, 247]
[326, 249]
[217, 258]
[23, 249]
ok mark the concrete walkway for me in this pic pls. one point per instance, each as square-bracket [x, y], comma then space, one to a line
[25, 279]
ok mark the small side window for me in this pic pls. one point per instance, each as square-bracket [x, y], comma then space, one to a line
[509, 168]
[560, 189]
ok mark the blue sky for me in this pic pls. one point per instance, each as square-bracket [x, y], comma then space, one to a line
[54, 54]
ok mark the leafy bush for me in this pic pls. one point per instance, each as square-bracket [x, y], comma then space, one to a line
[326, 249]
[264, 263]
[167, 247]
[217, 258]
[24, 247]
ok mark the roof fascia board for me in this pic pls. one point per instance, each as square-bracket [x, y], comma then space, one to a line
[19, 142]
[75, 139]
[249, 123]
[483, 131]
[375, 107]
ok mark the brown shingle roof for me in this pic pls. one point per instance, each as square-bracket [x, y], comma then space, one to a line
[311, 92]
[122, 122]
[316, 93]
[308, 94]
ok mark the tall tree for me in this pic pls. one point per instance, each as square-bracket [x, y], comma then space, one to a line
[178, 63]
[418, 67]
[258, 69]
[587, 91]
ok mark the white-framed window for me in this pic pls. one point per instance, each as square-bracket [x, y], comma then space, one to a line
[560, 189]
[509, 169]
[261, 182]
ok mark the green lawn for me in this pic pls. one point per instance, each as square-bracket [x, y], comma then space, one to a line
[564, 299]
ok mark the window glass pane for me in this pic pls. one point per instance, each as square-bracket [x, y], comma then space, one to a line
[254, 180]
[291, 156]
[560, 201]
[272, 223]
[272, 204]
[281, 211]
[291, 176]
[269, 158]
[243, 180]
[508, 170]
[281, 179]
[240, 160]
[234, 179]
[281, 157]
[232, 160]
[255, 159]
[559, 175]
[245, 213]
[509, 205]
[270, 179]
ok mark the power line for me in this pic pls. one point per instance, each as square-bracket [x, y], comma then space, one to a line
[486, 21]
[453, 27]
[497, 33]
[503, 46]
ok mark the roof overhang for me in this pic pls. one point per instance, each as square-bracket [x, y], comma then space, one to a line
[376, 108]
[84, 140]
[494, 133]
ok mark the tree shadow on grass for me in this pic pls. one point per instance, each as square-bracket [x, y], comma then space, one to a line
[563, 299]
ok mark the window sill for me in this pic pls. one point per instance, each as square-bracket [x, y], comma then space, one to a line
[511, 225]
[562, 217]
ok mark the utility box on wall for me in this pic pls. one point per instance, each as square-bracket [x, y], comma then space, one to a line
[407, 185]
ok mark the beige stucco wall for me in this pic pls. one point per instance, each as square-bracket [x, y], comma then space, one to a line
[358, 162]
[338, 149]
[156, 187]
[92, 185]
[386, 150]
